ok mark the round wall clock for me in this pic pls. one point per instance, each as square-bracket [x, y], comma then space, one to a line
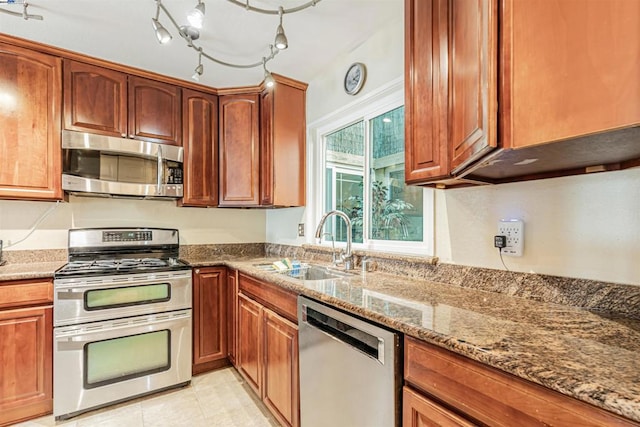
[355, 77]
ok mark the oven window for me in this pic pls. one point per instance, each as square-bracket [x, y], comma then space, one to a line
[120, 359]
[121, 297]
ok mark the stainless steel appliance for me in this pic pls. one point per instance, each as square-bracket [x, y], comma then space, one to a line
[110, 166]
[349, 369]
[122, 318]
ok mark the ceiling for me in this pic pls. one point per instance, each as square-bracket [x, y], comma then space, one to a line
[121, 31]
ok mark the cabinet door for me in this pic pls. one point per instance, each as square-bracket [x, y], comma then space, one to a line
[418, 411]
[570, 68]
[280, 387]
[209, 316]
[239, 150]
[30, 152]
[248, 358]
[26, 366]
[473, 62]
[154, 111]
[232, 310]
[282, 144]
[426, 152]
[200, 141]
[95, 99]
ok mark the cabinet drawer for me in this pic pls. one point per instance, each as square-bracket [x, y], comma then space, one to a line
[281, 301]
[25, 293]
[494, 397]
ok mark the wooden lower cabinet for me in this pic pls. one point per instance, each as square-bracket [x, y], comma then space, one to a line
[486, 396]
[249, 360]
[419, 411]
[26, 351]
[232, 312]
[267, 350]
[209, 318]
[280, 369]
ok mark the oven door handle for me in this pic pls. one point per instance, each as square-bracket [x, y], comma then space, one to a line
[78, 286]
[74, 337]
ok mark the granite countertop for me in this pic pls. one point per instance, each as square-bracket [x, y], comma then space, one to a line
[590, 356]
[587, 355]
[31, 270]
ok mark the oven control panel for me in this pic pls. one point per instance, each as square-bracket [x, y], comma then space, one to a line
[127, 236]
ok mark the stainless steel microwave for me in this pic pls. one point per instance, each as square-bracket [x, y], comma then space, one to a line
[110, 166]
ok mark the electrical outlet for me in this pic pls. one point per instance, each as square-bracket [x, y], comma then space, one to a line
[513, 229]
[301, 229]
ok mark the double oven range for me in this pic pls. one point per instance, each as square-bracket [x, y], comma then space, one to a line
[122, 318]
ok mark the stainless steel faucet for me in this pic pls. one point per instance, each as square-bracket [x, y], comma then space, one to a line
[346, 256]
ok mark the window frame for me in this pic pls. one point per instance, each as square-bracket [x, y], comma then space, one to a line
[378, 102]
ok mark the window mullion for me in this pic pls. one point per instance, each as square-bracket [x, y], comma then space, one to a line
[366, 183]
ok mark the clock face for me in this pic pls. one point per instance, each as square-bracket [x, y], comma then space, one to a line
[354, 79]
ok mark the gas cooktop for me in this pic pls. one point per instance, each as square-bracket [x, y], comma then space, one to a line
[115, 251]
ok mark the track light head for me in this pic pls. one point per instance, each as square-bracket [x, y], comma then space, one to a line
[189, 32]
[269, 81]
[196, 15]
[199, 69]
[162, 34]
[198, 72]
[281, 41]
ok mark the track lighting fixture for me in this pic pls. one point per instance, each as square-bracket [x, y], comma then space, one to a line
[162, 34]
[269, 81]
[281, 41]
[189, 33]
[195, 18]
[199, 69]
[24, 14]
[196, 15]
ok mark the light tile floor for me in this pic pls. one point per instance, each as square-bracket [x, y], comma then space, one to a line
[216, 399]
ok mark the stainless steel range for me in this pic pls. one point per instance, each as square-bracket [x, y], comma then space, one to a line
[122, 318]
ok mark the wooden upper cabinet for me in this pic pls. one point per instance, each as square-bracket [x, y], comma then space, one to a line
[200, 142]
[283, 143]
[154, 111]
[239, 150]
[570, 68]
[426, 153]
[484, 105]
[30, 103]
[473, 94]
[95, 99]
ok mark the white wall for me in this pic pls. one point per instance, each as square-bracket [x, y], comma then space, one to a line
[383, 56]
[582, 226]
[196, 225]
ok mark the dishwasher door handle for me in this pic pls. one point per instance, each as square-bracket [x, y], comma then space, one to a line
[371, 345]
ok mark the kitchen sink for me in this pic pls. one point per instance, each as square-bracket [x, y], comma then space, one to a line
[317, 272]
[308, 272]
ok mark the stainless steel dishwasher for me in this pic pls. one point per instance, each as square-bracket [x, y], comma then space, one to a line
[349, 369]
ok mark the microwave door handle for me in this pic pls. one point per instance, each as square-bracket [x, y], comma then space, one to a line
[160, 169]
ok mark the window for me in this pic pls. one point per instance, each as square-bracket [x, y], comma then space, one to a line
[362, 164]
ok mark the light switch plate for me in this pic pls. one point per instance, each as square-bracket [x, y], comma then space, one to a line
[513, 229]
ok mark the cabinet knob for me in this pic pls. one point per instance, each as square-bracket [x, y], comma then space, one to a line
[197, 271]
